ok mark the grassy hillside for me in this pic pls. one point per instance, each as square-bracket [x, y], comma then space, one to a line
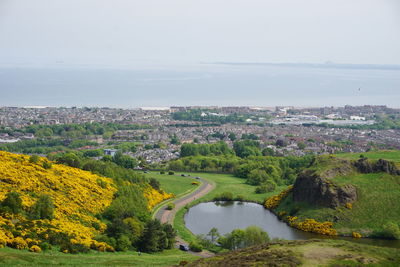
[237, 186]
[393, 155]
[306, 253]
[376, 206]
[12, 257]
[75, 198]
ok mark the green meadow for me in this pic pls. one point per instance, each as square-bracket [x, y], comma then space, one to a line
[13, 257]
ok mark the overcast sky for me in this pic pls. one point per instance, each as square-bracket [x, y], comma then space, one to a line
[118, 32]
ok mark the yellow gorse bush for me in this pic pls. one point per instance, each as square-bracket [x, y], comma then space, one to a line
[273, 202]
[356, 235]
[77, 197]
[311, 225]
[349, 206]
[154, 197]
[35, 249]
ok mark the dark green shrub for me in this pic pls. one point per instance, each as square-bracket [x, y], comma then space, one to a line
[225, 196]
[12, 203]
[74, 248]
[123, 243]
[47, 165]
[294, 211]
[34, 159]
[391, 230]
[43, 208]
[170, 206]
[101, 183]
[195, 247]
[45, 246]
[171, 173]
[266, 187]
[155, 183]
[96, 225]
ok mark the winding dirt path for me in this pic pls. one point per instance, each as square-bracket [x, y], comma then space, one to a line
[167, 216]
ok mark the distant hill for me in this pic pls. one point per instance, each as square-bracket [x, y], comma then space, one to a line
[352, 195]
[327, 65]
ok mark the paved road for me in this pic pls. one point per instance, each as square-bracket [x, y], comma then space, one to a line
[167, 216]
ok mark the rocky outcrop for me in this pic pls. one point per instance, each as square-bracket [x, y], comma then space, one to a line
[314, 189]
[364, 165]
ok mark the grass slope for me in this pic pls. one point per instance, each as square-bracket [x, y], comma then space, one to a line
[378, 195]
[12, 257]
[306, 253]
[173, 183]
[392, 155]
[237, 186]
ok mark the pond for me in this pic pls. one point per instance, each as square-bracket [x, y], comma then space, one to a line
[226, 216]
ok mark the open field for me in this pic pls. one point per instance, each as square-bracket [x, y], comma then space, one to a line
[13, 257]
[173, 183]
[237, 186]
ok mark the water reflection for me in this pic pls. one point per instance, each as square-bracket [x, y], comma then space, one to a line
[226, 216]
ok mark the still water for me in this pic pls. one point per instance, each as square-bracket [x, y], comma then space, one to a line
[226, 216]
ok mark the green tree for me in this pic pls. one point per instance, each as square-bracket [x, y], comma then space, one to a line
[155, 184]
[254, 235]
[157, 237]
[70, 159]
[124, 160]
[233, 240]
[257, 177]
[238, 238]
[134, 229]
[301, 145]
[47, 165]
[34, 159]
[12, 203]
[170, 235]
[123, 243]
[267, 186]
[43, 208]
[232, 136]
[175, 140]
[268, 152]
[213, 234]
[194, 246]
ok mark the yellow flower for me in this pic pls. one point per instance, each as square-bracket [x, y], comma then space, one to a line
[273, 202]
[356, 235]
[35, 249]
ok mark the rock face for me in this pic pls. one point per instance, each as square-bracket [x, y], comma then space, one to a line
[365, 166]
[314, 189]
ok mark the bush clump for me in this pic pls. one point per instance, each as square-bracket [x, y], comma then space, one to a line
[195, 247]
[35, 249]
[170, 206]
[225, 196]
[12, 203]
[391, 230]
